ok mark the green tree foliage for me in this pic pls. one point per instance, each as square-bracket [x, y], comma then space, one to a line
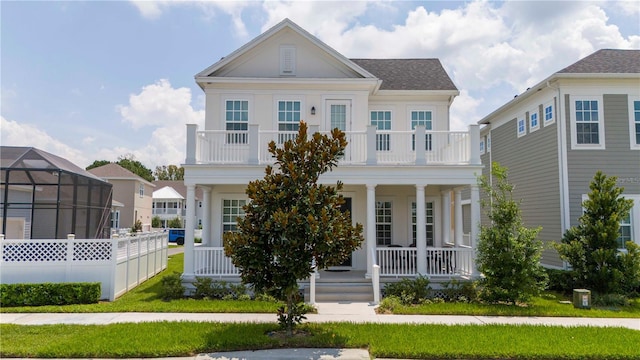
[171, 172]
[292, 222]
[175, 223]
[128, 162]
[156, 222]
[592, 247]
[508, 253]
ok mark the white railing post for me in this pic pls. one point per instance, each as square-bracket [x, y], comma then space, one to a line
[69, 260]
[254, 144]
[191, 144]
[420, 144]
[421, 233]
[372, 156]
[474, 144]
[114, 268]
[376, 284]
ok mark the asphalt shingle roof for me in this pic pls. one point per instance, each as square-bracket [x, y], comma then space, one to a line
[113, 170]
[408, 74]
[606, 61]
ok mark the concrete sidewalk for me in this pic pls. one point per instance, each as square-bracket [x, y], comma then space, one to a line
[327, 312]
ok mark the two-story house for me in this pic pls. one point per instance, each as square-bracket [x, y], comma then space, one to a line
[556, 135]
[132, 191]
[403, 171]
[169, 202]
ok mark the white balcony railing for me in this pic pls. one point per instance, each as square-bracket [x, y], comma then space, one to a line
[440, 261]
[368, 147]
[169, 211]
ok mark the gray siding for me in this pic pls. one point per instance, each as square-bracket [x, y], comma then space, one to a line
[616, 160]
[532, 161]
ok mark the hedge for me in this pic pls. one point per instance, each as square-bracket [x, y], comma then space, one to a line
[49, 294]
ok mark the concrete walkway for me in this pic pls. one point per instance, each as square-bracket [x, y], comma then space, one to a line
[327, 312]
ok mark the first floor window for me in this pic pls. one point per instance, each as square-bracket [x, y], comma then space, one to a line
[587, 122]
[237, 121]
[115, 219]
[428, 222]
[625, 231]
[383, 223]
[231, 211]
[382, 121]
[289, 117]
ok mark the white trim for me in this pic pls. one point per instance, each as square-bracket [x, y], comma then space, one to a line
[488, 142]
[544, 113]
[572, 122]
[535, 112]
[632, 123]
[524, 126]
[482, 145]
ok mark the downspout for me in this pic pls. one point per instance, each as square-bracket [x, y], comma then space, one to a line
[562, 164]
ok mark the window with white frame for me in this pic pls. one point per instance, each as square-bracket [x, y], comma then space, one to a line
[384, 233]
[237, 121]
[482, 145]
[548, 114]
[382, 121]
[429, 216]
[141, 190]
[626, 231]
[634, 123]
[421, 117]
[587, 123]
[534, 121]
[522, 127]
[231, 211]
[115, 219]
[289, 116]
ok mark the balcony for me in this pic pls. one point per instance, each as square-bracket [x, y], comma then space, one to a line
[169, 211]
[370, 147]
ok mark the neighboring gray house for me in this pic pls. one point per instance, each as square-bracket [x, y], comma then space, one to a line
[556, 135]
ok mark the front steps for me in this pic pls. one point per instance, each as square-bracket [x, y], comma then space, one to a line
[350, 286]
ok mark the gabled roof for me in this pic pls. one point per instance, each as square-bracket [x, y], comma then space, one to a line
[23, 157]
[408, 74]
[179, 186]
[607, 61]
[602, 64]
[167, 192]
[115, 171]
[286, 23]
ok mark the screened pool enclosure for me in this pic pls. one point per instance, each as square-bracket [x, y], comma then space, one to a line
[47, 197]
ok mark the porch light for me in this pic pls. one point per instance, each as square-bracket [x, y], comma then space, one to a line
[313, 110]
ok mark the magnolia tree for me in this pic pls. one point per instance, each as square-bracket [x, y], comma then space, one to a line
[292, 223]
[508, 253]
[592, 247]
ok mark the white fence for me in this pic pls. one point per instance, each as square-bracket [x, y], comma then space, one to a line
[119, 264]
[440, 261]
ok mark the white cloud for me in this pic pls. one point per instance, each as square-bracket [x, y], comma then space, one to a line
[21, 134]
[464, 109]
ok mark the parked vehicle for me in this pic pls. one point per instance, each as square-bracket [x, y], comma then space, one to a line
[176, 236]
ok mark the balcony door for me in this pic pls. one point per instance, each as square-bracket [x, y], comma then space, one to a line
[339, 116]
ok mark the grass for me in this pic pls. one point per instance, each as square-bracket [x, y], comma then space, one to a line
[382, 340]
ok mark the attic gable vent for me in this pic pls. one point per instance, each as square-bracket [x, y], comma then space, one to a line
[287, 60]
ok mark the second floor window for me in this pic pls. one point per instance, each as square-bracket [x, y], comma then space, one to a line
[635, 124]
[288, 119]
[522, 127]
[141, 190]
[421, 118]
[237, 121]
[534, 124]
[548, 114]
[382, 121]
[587, 122]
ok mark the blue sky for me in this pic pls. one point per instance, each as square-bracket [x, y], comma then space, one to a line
[98, 79]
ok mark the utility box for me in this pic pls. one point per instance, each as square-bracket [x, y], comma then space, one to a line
[582, 298]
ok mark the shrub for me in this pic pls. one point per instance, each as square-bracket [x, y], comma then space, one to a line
[460, 291]
[610, 300]
[156, 222]
[49, 294]
[175, 223]
[206, 288]
[560, 280]
[409, 291]
[137, 226]
[390, 303]
[172, 287]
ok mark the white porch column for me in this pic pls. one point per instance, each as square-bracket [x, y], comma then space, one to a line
[475, 223]
[446, 217]
[206, 216]
[189, 233]
[192, 130]
[371, 229]
[421, 232]
[457, 215]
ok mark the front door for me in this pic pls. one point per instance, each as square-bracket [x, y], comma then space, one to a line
[339, 116]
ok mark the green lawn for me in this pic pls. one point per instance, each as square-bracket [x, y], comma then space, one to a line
[146, 298]
[382, 340]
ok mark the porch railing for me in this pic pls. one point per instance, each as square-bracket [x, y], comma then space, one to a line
[211, 261]
[440, 261]
[368, 147]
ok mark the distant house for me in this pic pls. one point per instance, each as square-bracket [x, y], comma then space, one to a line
[44, 196]
[403, 170]
[132, 191]
[169, 202]
[557, 134]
